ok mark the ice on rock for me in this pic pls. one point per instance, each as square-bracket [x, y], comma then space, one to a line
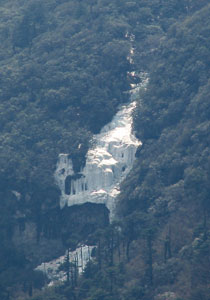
[52, 269]
[107, 164]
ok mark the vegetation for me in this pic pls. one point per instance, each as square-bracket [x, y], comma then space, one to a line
[170, 181]
[64, 71]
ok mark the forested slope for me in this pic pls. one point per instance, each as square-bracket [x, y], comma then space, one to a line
[61, 80]
[64, 71]
[170, 182]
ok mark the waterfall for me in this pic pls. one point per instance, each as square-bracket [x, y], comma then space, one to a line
[107, 163]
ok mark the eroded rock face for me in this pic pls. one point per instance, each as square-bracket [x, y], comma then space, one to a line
[26, 241]
[107, 164]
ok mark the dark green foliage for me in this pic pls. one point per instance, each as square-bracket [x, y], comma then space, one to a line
[61, 81]
[60, 87]
[168, 112]
[63, 74]
[172, 168]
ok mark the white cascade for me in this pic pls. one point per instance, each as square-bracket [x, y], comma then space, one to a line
[107, 163]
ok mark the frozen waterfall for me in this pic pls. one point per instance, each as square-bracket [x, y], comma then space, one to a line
[107, 164]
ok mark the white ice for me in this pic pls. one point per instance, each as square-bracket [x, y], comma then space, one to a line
[107, 164]
[81, 256]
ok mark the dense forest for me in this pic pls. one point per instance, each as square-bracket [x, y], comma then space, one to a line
[64, 72]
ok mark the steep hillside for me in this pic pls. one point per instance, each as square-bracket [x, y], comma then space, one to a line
[61, 81]
[64, 72]
[170, 182]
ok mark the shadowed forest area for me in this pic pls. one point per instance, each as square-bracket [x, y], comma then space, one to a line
[64, 72]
